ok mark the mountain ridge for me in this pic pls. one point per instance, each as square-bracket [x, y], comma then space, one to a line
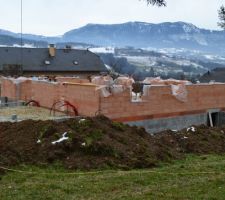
[139, 35]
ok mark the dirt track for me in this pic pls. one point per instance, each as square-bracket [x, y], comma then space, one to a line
[95, 143]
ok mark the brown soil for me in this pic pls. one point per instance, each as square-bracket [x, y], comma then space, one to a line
[96, 143]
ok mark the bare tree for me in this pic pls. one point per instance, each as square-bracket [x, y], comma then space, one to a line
[221, 10]
[157, 2]
[222, 17]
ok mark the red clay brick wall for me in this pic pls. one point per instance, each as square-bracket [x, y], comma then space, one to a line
[161, 103]
[8, 89]
[44, 93]
[84, 97]
[20, 91]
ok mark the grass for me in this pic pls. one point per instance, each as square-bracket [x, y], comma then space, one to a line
[183, 179]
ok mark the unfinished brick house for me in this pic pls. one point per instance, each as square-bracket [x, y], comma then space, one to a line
[158, 109]
[49, 61]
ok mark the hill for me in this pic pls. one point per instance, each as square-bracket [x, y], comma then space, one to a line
[139, 35]
[217, 75]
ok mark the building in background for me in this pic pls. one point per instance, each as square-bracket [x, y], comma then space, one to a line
[16, 61]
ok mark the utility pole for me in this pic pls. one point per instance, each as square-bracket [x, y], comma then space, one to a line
[21, 32]
[21, 22]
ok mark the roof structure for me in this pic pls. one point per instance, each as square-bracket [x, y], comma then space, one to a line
[39, 59]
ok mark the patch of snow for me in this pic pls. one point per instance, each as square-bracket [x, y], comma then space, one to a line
[102, 50]
[210, 57]
[200, 40]
[25, 45]
[188, 28]
[63, 138]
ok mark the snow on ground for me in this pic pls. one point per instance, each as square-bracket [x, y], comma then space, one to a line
[102, 50]
[25, 45]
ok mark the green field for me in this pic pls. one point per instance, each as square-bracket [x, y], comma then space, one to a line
[196, 177]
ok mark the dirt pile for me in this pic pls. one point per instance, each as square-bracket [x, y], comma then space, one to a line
[94, 143]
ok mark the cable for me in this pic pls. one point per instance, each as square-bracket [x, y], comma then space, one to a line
[107, 171]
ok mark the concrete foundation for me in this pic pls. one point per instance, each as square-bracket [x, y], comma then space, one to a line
[172, 123]
[212, 118]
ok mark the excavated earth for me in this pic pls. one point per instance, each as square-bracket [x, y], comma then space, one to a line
[98, 143]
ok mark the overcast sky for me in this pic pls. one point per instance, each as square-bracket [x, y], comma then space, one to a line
[54, 17]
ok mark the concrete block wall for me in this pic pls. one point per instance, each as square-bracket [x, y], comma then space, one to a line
[172, 123]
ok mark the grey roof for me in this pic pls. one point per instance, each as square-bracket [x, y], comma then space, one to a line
[217, 74]
[34, 60]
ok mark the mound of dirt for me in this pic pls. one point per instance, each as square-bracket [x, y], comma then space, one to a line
[94, 143]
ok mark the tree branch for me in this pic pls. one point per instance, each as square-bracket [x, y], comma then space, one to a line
[222, 17]
[157, 2]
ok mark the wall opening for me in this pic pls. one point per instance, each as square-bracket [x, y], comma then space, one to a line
[213, 119]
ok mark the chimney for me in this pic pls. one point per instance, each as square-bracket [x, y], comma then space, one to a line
[52, 50]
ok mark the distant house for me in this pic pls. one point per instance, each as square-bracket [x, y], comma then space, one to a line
[217, 75]
[16, 61]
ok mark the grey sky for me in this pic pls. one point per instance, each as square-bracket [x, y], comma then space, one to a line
[54, 17]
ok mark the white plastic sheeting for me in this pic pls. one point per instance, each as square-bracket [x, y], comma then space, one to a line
[159, 81]
[105, 91]
[102, 80]
[180, 92]
[18, 80]
[124, 81]
[109, 87]
[146, 90]
[117, 89]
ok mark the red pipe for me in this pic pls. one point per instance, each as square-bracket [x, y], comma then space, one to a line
[33, 101]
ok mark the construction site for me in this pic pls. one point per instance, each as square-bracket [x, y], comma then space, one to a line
[83, 118]
[109, 100]
[156, 105]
